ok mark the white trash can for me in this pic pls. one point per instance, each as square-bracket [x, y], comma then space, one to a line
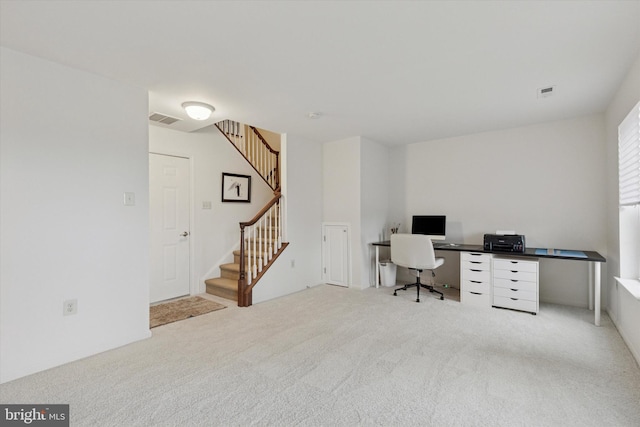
[387, 273]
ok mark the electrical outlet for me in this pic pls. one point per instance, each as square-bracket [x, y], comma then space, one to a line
[70, 307]
[129, 199]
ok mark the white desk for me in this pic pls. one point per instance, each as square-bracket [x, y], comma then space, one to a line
[594, 259]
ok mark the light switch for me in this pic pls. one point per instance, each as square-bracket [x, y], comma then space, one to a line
[129, 199]
[206, 205]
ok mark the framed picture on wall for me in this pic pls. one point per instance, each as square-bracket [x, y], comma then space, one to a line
[236, 188]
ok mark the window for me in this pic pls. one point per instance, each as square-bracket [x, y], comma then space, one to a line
[629, 158]
[629, 187]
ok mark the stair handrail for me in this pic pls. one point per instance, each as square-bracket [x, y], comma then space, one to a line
[246, 285]
[267, 168]
[276, 196]
[264, 141]
[276, 170]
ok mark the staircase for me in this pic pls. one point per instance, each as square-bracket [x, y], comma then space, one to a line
[226, 286]
[261, 237]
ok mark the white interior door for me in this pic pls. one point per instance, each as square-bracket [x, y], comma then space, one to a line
[335, 250]
[169, 178]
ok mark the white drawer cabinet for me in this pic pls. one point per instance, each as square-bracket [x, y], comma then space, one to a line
[515, 284]
[475, 279]
[516, 265]
[515, 275]
[514, 293]
[516, 304]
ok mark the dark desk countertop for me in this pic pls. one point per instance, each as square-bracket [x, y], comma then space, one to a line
[529, 252]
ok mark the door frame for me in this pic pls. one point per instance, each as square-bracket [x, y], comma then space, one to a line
[347, 225]
[193, 283]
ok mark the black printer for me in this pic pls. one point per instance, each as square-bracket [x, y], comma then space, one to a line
[504, 243]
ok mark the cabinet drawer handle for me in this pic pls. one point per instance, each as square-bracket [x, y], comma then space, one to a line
[476, 270]
[514, 262]
[475, 293]
[514, 280]
[514, 299]
[475, 262]
[470, 253]
[514, 271]
[475, 281]
[514, 290]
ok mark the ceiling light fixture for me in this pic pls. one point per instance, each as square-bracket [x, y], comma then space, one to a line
[198, 110]
[313, 115]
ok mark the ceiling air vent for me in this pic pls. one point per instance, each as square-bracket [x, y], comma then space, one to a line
[546, 92]
[163, 118]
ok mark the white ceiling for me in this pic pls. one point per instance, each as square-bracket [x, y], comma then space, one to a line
[394, 72]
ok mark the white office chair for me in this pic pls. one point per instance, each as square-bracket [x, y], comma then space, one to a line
[415, 252]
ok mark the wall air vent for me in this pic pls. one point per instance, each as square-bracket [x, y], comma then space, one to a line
[163, 118]
[546, 92]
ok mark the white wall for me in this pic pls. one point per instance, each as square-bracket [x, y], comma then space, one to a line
[299, 265]
[374, 202]
[71, 144]
[397, 194]
[341, 195]
[214, 232]
[546, 181]
[622, 307]
[356, 191]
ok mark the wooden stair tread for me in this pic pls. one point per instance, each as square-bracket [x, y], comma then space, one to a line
[230, 271]
[224, 288]
[231, 266]
[223, 283]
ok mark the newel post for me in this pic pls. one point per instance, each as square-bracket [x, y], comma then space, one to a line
[242, 283]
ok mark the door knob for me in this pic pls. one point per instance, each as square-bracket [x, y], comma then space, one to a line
[185, 234]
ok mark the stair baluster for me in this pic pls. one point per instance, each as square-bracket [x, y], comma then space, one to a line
[270, 232]
[254, 259]
[263, 242]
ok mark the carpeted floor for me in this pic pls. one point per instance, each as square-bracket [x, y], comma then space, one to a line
[343, 357]
[169, 312]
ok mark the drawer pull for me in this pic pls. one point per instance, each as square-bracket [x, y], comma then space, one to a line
[514, 290]
[514, 271]
[474, 254]
[514, 299]
[475, 293]
[475, 270]
[475, 262]
[475, 281]
[514, 262]
[514, 280]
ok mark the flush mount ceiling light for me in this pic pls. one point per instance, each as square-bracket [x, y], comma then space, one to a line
[198, 110]
[313, 115]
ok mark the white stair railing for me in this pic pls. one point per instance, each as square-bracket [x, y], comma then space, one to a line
[252, 145]
[260, 241]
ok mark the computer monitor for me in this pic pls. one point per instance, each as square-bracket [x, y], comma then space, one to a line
[434, 226]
